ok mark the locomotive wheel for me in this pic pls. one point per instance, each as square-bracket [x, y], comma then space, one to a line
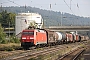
[38, 46]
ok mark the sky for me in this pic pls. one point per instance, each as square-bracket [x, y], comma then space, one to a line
[75, 7]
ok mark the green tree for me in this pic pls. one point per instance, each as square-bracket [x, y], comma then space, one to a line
[2, 35]
[0, 18]
[11, 18]
[6, 18]
[33, 24]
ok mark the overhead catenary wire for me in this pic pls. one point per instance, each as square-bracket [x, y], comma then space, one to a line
[77, 5]
[2, 5]
[78, 8]
[68, 6]
[14, 2]
[50, 5]
[18, 4]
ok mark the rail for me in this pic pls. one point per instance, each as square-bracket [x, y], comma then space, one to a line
[73, 55]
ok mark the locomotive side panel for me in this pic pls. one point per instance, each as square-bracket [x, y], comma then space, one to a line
[41, 37]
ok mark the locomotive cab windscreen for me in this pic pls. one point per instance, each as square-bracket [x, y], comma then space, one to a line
[27, 36]
[26, 33]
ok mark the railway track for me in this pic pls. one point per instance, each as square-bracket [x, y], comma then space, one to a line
[45, 52]
[25, 55]
[34, 53]
[10, 53]
[73, 55]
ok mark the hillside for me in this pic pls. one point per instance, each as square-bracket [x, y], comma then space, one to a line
[51, 17]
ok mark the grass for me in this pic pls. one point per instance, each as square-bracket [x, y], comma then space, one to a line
[54, 55]
[9, 46]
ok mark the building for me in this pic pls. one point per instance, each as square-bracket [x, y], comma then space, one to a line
[23, 20]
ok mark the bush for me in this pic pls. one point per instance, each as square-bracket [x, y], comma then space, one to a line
[2, 35]
[17, 40]
[10, 49]
[4, 41]
[14, 39]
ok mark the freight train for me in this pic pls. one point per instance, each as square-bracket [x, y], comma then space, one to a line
[35, 37]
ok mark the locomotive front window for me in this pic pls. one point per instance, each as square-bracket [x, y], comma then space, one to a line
[31, 33]
[28, 33]
[25, 33]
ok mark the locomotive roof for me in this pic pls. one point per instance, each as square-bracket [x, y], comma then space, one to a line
[32, 29]
[29, 30]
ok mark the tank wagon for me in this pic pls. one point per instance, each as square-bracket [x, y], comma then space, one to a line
[35, 37]
[60, 37]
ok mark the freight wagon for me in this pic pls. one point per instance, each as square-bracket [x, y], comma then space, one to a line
[77, 38]
[84, 38]
[70, 37]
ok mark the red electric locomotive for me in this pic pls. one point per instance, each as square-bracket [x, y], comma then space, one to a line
[33, 37]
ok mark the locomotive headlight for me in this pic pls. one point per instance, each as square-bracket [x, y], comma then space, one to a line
[31, 38]
[23, 38]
